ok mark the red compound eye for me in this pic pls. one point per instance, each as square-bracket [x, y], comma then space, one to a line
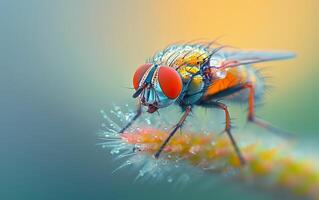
[139, 73]
[170, 82]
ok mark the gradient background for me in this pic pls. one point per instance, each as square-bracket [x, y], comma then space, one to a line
[62, 61]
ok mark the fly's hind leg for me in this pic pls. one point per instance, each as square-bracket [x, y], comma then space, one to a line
[138, 113]
[251, 113]
[177, 126]
[227, 130]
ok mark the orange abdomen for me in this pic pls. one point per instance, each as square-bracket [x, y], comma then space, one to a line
[234, 77]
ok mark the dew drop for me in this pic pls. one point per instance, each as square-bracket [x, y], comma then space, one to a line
[141, 173]
[115, 151]
[127, 117]
[216, 61]
[148, 121]
[221, 74]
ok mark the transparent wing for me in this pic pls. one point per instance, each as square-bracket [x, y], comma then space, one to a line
[236, 58]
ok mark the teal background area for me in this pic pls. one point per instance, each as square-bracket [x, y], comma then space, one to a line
[63, 61]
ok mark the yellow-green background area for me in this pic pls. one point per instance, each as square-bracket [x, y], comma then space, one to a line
[62, 61]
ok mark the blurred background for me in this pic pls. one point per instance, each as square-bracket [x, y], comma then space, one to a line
[63, 61]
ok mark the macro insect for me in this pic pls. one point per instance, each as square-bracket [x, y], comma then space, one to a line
[199, 75]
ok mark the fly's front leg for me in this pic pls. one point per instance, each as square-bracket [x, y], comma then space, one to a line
[227, 130]
[138, 113]
[178, 125]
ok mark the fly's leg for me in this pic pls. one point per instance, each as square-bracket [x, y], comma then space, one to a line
[227, 130]
[177, 126]
[251, 113]
[138, 113]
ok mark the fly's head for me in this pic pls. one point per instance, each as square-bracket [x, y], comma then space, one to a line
[156, 86]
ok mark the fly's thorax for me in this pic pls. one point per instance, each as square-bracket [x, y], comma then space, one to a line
[187, 72]
[192, 59]
[193, 82]
[196, 84]
[178, 55]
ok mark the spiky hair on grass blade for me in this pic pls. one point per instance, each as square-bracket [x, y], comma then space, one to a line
[273, 164]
